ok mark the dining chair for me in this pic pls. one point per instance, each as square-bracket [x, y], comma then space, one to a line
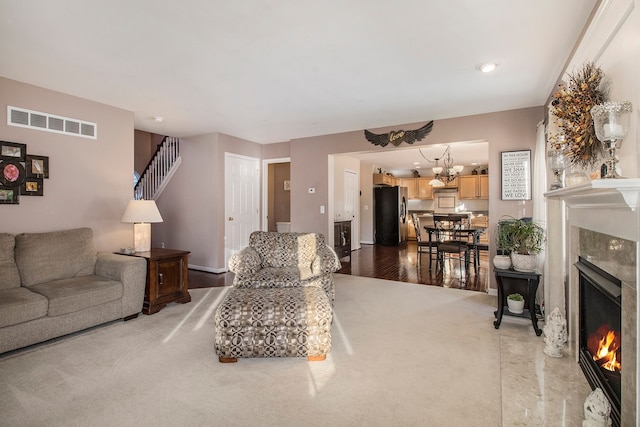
[421, 243]
[452, 242]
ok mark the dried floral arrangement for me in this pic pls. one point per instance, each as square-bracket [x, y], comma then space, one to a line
[572, 105]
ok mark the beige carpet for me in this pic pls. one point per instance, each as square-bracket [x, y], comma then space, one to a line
[402, 354]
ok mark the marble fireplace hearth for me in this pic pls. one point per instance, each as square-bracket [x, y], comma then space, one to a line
[599, 221]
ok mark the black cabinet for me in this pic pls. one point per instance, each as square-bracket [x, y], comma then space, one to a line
[342, 239]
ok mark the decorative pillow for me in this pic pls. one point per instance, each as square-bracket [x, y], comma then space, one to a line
[43, 257]
[9, 275]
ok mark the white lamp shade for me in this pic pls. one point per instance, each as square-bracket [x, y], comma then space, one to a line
[458, 168]
[436, 183]
[141, 211]
[437, 170]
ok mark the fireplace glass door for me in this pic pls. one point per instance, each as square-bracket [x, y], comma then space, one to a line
[600, 331]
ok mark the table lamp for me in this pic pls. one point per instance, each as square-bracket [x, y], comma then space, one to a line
[141, 213]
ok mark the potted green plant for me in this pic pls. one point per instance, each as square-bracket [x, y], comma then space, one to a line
[503, 244]
[522, 239]
[515, 302]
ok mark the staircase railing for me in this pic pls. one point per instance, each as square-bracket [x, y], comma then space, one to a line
[159, 171]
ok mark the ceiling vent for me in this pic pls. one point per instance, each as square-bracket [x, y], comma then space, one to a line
[50, 123]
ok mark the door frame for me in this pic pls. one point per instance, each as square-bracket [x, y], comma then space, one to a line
[265, 189]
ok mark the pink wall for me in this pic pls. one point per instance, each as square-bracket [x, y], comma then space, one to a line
[193, 204]
[90, 180]
[508, 130]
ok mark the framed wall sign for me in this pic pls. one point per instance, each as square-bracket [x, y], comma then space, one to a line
[516, 175]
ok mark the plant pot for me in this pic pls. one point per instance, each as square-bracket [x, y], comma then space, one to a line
[516, 307]
[523, 263]
[503, 262]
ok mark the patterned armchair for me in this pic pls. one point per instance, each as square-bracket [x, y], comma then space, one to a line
[281, 260]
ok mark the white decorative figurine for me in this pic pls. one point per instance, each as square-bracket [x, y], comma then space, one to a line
[596, 410]
[555, 333]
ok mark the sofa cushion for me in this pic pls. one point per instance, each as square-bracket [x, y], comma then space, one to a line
[43, 257]
[75, 294]
[9, 275]
[18, 305]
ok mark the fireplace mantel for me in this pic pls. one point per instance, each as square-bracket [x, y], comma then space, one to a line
[619, 197]
[611, 208]
[605, 193]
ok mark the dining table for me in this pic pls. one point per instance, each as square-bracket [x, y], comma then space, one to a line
[473, 233]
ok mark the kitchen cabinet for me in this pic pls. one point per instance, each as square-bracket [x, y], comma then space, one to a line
[474, 187]
[452, 184]
[425, 190]
[412, 187]
[383, 179]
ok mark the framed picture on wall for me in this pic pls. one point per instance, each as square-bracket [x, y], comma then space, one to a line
[37, 166]
[32, 187]
[13, 151]
[9, 196]
[516, 175]
[12, 173]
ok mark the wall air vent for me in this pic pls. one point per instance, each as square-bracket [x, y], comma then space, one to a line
[50, 123]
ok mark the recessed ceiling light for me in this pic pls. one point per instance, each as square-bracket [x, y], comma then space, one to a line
[487, 67]
[158, 119]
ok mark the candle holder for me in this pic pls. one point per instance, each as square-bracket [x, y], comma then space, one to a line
[557, 164]
[611, 122]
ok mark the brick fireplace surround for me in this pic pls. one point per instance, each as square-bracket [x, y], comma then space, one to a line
[611, 209]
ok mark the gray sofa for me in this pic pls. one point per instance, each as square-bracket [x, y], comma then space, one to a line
[53, 284]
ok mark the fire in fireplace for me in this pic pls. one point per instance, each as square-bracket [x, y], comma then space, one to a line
[600, 350]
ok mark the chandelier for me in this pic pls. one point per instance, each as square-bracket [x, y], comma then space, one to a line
[446, 173]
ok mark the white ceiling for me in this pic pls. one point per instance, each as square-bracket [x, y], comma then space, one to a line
[271, 71]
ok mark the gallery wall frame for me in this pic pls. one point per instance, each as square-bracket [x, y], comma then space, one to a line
[9, 196]
[32, 187]
[515, 170]
[13, 151]
[37, 166]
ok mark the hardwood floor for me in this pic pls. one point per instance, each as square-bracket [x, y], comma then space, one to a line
[398, 263]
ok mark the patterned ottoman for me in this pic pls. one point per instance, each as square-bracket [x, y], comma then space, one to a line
[274, 322]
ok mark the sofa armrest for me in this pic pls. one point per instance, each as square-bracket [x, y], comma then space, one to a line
[131, 271]
[245, 262]
[326, 261]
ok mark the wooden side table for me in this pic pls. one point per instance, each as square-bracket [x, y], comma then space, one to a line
[167, 278]
[511, 281]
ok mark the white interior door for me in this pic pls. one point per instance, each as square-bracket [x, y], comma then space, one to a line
[352, 204]
[242, 201]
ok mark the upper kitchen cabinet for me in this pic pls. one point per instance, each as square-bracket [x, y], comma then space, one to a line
[384, 179]
[474, 187]
[424, 189]
[412, 187]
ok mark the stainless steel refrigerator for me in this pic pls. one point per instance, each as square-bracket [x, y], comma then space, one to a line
[390, 204]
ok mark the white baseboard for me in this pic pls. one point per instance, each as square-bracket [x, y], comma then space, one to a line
[207, 269]
[366, 242]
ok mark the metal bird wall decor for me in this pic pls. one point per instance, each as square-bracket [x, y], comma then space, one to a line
[397, 136]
